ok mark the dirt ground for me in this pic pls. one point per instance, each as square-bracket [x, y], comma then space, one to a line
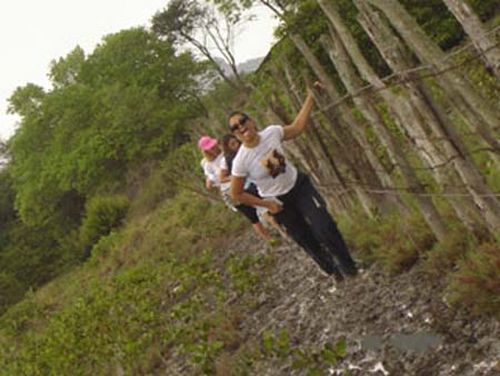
[392, 325]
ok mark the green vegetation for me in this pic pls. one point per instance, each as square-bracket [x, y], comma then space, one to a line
[101, 216]
[114, 259]
[476, 281]
[158, 287]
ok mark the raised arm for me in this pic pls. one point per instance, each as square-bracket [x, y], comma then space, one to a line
[240, 196]
[300, 123]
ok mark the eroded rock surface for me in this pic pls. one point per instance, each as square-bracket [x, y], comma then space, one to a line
[392, 325]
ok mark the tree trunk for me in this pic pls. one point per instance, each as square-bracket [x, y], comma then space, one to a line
[400, 109]
[399, 105]
[329, 167]
[480, 114]
[336, 119]
[353, 84]
[454, 149]
[338, 202]
[472, 25]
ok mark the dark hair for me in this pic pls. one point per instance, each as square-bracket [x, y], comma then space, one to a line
[225, 144]
[229, 154]
[241, 113]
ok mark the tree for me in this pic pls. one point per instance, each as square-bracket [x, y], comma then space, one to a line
[203, 27]
[129, 101]
[481, 115]
[472, 25]
[65, 71]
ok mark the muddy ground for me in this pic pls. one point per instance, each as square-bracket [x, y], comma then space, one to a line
[392, 325]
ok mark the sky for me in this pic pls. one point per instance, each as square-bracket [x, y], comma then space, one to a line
[35, 32]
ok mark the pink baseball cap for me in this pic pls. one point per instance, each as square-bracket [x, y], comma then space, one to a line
[206, 143]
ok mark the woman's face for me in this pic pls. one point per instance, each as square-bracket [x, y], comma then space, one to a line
[212, 153]
[243, 128]
[233, 144]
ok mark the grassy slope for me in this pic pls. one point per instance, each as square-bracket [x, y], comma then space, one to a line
[115, 309]
[159, 288]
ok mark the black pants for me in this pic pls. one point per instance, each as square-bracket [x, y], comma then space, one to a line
[249, 211]
[308, 222]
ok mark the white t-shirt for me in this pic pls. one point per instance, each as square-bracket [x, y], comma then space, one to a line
[212, 172]
[266, 165]
[223, 164]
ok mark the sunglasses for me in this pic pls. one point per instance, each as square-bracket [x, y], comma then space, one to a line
[240, 123]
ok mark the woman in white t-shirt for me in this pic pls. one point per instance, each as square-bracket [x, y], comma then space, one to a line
[230, 147]
[287, 193]
[212, 163]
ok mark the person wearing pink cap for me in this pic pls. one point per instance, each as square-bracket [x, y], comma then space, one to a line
[211, 164]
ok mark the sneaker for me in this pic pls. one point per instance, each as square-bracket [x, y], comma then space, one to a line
[351, 271]
[337, 275]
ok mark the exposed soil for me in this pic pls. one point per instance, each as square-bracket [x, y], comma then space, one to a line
[392, 325]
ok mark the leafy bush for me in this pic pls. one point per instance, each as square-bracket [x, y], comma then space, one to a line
[394, 241]
[102, 215]
[476, 284]
[11, 290]
[403, 242]
[446, 254]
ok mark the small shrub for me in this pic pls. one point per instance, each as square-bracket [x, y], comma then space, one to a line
[102, 215]
[243, 272]
[105, 245]
[445, 255]
[403, 243]
[394, 241]
[362, 236]
[476, 284]
[154, 189]
[11, 290]
[311, 359]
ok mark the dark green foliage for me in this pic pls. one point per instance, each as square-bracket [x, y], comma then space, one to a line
[440, 24]
[7, 195]
[11, 290]
[446, 254]
[28, 258]
[486, 9]
[102, 214]
[128, 101]
[436, 20]
[396, 242]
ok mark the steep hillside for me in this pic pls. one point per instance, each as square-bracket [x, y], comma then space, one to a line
[180, 293]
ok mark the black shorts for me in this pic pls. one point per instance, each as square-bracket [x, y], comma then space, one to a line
[249, 211]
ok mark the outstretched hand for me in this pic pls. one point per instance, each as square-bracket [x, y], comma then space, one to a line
[316, 86]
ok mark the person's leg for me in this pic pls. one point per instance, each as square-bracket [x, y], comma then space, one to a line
[272, 221]
[262, 231]
[300, 231]
[251, 213]
[313, 208]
